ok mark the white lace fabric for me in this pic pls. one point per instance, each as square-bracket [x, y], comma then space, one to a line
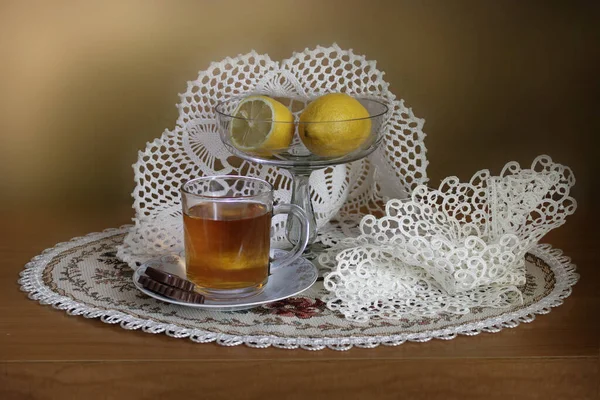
[446, 250]
[450, 249]
[193, 148]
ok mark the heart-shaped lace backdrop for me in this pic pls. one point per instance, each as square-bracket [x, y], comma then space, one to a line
[193, 148]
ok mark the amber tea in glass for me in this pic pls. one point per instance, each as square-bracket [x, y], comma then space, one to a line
[227, 225]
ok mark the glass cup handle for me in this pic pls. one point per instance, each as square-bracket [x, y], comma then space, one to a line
[296, 252]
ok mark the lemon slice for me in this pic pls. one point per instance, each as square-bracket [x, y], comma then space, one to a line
[262, 126]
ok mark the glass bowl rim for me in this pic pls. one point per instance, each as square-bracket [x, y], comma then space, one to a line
[219, 106]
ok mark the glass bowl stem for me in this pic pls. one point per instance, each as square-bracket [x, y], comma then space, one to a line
[301, 198]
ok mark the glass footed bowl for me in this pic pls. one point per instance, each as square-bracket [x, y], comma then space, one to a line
[297, 156]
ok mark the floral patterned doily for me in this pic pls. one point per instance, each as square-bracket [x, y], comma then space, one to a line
[84, 277]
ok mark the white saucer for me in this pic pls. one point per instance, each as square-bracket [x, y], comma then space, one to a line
[283, 283]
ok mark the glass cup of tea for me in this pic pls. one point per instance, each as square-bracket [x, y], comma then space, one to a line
[227, 234]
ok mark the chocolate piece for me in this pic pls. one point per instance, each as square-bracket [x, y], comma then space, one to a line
[170, 279]
[169, 291]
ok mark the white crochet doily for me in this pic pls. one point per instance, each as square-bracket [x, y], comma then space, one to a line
[449, 249]
[83, 277]
[193, 148]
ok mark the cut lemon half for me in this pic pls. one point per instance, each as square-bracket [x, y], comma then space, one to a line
[262, 126]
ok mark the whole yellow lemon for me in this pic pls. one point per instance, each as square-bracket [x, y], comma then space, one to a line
[334, 125]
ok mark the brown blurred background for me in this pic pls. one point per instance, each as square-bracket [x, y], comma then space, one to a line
[85, 84]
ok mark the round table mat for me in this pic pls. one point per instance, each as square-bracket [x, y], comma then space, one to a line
[84, 277]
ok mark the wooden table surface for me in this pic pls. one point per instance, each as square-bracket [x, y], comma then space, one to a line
[46, 354]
